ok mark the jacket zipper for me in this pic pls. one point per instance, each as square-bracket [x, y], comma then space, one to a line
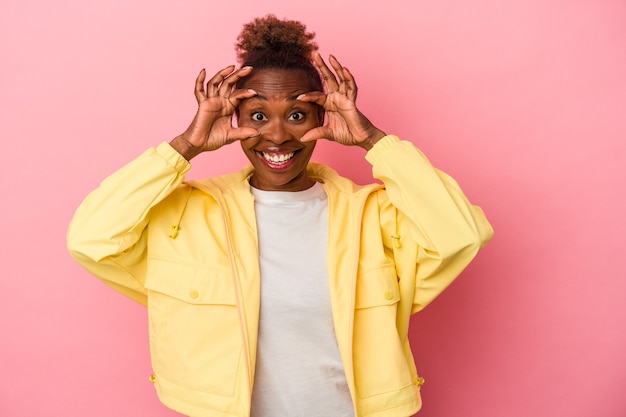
[355, 269]
[356, 225]
[242, 325]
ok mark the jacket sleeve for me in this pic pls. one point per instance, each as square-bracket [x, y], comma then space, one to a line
[106, 235]
[437, 230]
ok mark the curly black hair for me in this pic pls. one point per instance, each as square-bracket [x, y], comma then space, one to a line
[271, 43]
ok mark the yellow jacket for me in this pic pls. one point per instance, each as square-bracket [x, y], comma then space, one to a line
[189, 252]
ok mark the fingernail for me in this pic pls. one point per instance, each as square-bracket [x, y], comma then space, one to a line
[251, 91]
[300, 96]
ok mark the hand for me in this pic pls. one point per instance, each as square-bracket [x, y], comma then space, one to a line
[345, 123]
[212, 127]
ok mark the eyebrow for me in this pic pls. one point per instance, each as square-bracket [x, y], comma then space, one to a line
[263, 98]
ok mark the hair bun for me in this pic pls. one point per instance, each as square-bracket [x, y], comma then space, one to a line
[271, 36]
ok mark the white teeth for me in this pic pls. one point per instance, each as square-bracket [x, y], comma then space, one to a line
[277, 158]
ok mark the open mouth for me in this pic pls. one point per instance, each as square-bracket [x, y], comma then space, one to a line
[277, 160]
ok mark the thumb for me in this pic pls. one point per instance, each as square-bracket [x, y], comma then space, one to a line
[321, 132]
[241, 133]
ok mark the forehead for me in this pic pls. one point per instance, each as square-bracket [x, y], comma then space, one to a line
[278, 83]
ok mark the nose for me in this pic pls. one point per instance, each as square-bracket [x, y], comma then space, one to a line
[276, 132]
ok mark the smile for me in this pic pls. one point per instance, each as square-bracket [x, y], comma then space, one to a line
[277, 159]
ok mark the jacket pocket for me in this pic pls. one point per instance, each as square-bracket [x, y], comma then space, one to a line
[194, 325]
[380, 363]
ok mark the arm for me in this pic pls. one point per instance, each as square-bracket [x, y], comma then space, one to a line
[437, 230]
[106, 234]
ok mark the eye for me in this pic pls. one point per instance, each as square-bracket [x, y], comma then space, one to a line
[258, 116]
[297, 116]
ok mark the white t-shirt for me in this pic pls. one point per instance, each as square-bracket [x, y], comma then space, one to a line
[298, 370]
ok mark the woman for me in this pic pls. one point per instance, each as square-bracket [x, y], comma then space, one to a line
[283, 289]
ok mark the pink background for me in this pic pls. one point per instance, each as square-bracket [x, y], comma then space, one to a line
[523, 102]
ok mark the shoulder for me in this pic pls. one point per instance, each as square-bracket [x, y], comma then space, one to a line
[337, 183]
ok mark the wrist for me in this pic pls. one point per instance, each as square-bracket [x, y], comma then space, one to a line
[183, 147]
[372, 139]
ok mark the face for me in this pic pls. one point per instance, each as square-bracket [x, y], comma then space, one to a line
[277, 155]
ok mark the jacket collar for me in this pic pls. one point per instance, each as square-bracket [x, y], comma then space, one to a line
[228, 183]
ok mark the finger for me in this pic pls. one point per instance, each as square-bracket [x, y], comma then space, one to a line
[351, 88]
[340, 74]
[329, 78]
[316, 97]
[242, 133]
[321, 132]
[226, 87]
[214, 83]
[198, 90]
[238, 95]
[241, 94]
